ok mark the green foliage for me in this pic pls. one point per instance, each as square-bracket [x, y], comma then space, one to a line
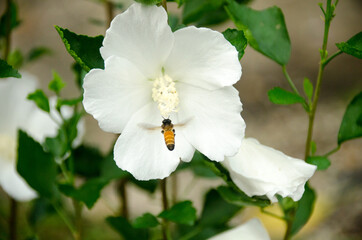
[125, 229]
[84, 49]
[36, 166]
[87, 161]
[40, 209]
[8, 71]
[265, 30]
[237, 39]
[200, 10]
[308, 89]
[16, 59]
[14, 22]
[79, 74]
[147, 220]
[239, 198]
[174, 23]
[88, 193]
[57, 84]
[304, 209]
[351, 124]
[110, 171]
[216, 211]
[57, 145]
[182, 213]
[40, 99]
[353, 46]
[278, 95]
[38, 52]
[68, 102]
[321, 162]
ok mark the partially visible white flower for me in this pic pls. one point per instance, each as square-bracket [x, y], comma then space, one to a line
[261, 170]
[19, 113]
[251, 230]
[151, 74]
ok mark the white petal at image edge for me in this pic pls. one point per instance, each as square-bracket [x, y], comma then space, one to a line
[251, 230]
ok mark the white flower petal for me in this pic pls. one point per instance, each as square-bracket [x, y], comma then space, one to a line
[251, 230]
[143, 152]
[141, 35]
[114, 94]
[216, 127]
[13, 184]
[261, 170]
[14, 106]
[203, 58]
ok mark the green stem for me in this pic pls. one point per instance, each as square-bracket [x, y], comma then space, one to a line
[272, 214]
[289, 80]
[174, 189]
[13, 219]
[7, 30]
[122, 191]
[165, 230]
[65, 220]
[164, 4]
[332, 151]
[78, 219]
[109, 12]
[328, 18]
[331, 57]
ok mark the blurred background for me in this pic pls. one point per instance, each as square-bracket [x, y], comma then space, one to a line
[338, 211]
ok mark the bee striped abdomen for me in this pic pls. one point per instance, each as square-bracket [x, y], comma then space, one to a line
[169, 139]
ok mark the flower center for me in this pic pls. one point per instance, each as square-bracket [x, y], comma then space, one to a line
[7, 147]
[165, 94]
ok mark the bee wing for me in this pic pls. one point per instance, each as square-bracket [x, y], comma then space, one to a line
[183, 123]
[148, 126]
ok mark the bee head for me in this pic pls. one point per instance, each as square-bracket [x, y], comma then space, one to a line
[166, 121]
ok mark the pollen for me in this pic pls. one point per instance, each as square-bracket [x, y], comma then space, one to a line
[165, 94]
[8, 147]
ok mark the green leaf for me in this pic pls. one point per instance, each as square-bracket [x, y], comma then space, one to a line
[70, 126]
[265, 30]
[88, 193]
[125, 229]
[350, 127]
[304, 209]
[195, 10]
[237, 39]
[40, 99]
[174, 22]
[308, 89]
[57, 145]
[239, 198]
[14, 22]
[84, 49]
[198, 166]
[57, 84]
[38, 52]
[40, 209]
[183, 213]
[321, 162]
[8, 71]
[278, 95]
[88, 161]
[79, 74]
[353, 46]
[68, 102]
[109, 169]
[149, 186]
[147, 220]
[16, 59]
[216, 211]
[36, 166]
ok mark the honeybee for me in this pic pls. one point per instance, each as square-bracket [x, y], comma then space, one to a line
[168, 131]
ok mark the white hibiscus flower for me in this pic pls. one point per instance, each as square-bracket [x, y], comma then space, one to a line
[20, 113]
[261, 170]
[152, 74]
[251, 230]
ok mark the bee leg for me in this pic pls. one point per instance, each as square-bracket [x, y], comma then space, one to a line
[162, 131]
